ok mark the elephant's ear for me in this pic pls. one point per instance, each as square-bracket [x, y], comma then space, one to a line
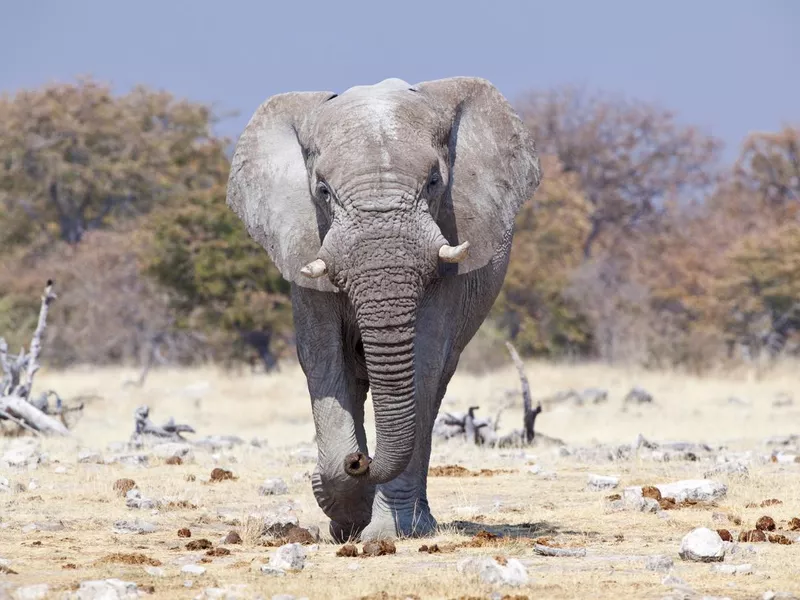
[268, 185]
[494, 167]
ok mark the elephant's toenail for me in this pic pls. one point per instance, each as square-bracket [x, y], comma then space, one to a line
[356, 464]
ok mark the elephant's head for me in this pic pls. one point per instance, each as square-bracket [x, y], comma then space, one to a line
[374, 193]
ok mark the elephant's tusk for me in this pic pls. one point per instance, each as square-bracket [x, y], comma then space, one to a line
[316, 268]
[454, 254]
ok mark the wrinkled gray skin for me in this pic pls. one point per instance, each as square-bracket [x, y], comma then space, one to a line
[373, 183]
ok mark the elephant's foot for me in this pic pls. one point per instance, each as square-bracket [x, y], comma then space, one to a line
[408, 521]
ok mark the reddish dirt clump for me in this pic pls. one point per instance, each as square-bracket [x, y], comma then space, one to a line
[651, 491]
[299, 535]
[754, 535]
[221, 474]
[123, 486]
[69, 566]
[174, 460]
[779, 538]
[449, 471]
[218, 552]
[432, 549]
[232, 538]
[771, 502]
[725, 535]
[766, 523]
[348, 550]
[794, 524]
[184, 532]
[201, 544]
[378, 548]
[130, 559]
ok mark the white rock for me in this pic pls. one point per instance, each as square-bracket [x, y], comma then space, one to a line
[488, 570]
[274, 571]
[273, 487]
[106, 589]
[133, 460]
[22, 455]
[786, 458]
[229, 592]
[60, 470]
[746, 569]
[699, 490]
[193, 569]
[289, 557]
[702, 545]
[134, 499]
[728, 468]
[89, 456]
[32, 592]
[173, 449]
[154, 571]
[136, 526]
[601, 482]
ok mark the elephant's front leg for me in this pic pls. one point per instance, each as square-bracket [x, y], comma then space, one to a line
[337, 400]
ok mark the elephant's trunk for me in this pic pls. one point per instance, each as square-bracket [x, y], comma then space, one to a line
[387, 325]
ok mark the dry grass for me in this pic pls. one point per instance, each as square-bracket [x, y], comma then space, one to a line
[512, 502]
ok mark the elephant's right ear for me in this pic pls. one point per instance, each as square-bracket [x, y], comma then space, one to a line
[268, 185]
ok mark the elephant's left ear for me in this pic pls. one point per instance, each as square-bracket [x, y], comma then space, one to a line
[494, 167]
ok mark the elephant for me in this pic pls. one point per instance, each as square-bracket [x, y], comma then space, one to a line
[389, 209]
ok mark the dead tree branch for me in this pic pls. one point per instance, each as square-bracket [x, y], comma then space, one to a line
[17, 382]
[143, 427]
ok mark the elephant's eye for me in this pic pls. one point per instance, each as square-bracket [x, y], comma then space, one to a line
[433, 182]
[323, 191]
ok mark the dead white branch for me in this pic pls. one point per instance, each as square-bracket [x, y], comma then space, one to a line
[559, 552]
[143, 426]
[17, 382]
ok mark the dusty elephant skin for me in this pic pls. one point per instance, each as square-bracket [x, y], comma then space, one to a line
[391, 210]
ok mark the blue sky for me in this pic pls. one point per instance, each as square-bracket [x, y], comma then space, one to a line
[728, 66]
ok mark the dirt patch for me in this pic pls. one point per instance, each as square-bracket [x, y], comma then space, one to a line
[69, 566]
[299, 535]
[221, 475]
[174, 460]
[771, 502]
[184, 532]
[651, 491]
[201, 544]
[378, 548]
[347, 551]
[459, 471]
[218, 552]
[179, 505]
[765, 523]
[4, 570]
[432, 549]
[794, 524]
[135, 558]
[123, 486]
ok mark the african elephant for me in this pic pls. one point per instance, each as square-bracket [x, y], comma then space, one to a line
[390, 208]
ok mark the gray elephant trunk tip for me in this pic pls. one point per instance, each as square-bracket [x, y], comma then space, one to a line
[357, 464]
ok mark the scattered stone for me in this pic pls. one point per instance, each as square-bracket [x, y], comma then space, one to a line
[601, 482]
[794, 524]
[136, 526]
[277, 525]
[218, 474]
[702, 545]
[289, 557]
[348, 550]
[32, 592]
[733, 569]
[154, 571]
[134, 499]
[232, 538]
[200, 544]
[659, 562]
[90, 456]
[131, 460]
[725, 535]
[106, 589]
[432, 549]
[44, 526]
[22, 455]
[273, 487]
[729, 468]
[123, 486]
[193, 569]
[173, 450]
[770, 502]
[696, 490]
[754, 535]
[378, 548]
[638, 395]
[274, 571]
[218, 552]
[490, 571]
[766, 523]
[214, 443]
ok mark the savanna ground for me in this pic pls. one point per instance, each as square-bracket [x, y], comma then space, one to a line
[75, 506]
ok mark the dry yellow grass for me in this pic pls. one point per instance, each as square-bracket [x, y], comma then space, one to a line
[523, 505]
